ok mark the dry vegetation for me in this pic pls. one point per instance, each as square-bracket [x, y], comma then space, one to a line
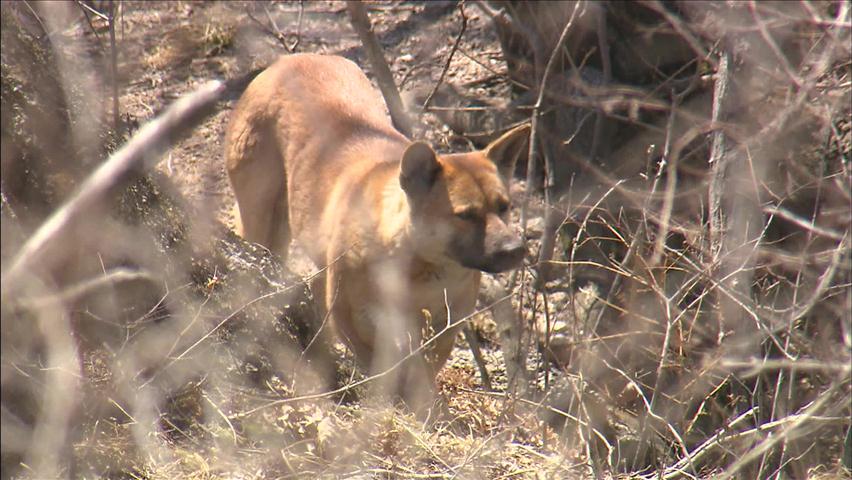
[684, 313]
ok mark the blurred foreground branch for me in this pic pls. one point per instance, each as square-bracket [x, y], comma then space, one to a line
[140, 152]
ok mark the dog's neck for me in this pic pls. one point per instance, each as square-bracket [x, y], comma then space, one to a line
[424, 271]
[398, 237]
[394, 227]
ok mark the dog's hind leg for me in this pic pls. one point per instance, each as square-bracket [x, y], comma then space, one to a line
[256, 171]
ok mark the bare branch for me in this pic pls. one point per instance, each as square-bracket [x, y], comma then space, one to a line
[683, 30]
[384, 77]
[718, 159]
[806, 224]
[531, 158]
[455, 47]
[151, 140]
[756, 366]
[74, 292]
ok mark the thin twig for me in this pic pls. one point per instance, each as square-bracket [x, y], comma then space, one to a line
[756, 366]
[224, 417]
[455, 47]
[767, 37]
[275, 31]
[806, 224]
[531, 154]
[87, 286]
[113, 66]
[265, 28]
[293, 48]
[683, 30]
[86, 10]
[606, 63]
[787, 426]
[38, 19]
[665, 216]
[92, 10]
[825, 281]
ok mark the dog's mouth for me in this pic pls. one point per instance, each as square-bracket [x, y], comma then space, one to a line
[499, 262]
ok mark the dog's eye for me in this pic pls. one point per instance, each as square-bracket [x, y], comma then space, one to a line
[502, 208]
[468, 215]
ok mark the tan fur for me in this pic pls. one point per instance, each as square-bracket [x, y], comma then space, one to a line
[311, 154]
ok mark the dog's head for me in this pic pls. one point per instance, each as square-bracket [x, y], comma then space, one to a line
[460, 202]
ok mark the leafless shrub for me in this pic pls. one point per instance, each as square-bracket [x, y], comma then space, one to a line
[736, 120]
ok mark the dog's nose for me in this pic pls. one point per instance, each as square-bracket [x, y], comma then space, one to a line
[509, 257]
[517, 254]
[514, 247]
[513, 252]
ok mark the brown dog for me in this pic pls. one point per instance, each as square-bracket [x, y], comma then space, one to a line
[403, 232]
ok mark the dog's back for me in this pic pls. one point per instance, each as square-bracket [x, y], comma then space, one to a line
[322, 117]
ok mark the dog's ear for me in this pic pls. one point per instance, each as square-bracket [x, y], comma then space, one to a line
[504, 151]
[419, 169]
